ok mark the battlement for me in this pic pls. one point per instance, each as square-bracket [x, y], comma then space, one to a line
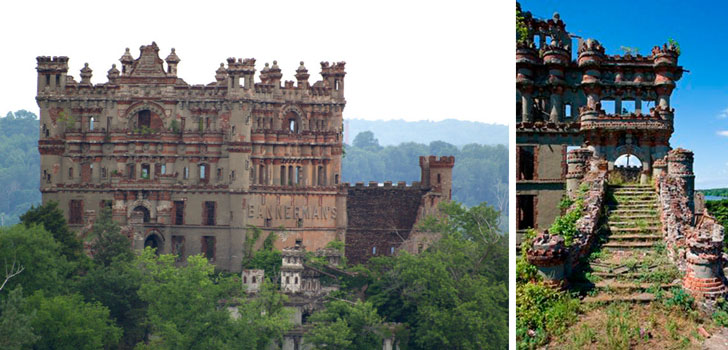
[383, 185]
[52, 64]
[434, 162]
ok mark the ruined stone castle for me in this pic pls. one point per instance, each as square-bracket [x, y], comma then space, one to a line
[570, 94]
[188, 168]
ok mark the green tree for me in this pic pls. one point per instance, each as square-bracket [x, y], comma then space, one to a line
[52, 219]
[67, 322]
[346, 325]
[20, 157]
[110, 244]
[267, 258]
[15, 322]
[454, 295]
[366, 140]
[186, 309]
[33, 248]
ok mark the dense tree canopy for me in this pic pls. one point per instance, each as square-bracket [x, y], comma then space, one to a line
[19, 165]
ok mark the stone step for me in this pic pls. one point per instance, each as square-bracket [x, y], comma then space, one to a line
[631, 185]
[643, 211]
[624, 285]
[631, 298]
[628, 245]
[633, 217]
[633, 193]
[635, 237]
[634, 229]
[646, 206]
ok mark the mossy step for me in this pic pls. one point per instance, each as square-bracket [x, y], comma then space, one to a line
[635, 217]
[633, 211]
[627, 237]
[630, 298]
[633, 228]
[613, 284]
[628, 245]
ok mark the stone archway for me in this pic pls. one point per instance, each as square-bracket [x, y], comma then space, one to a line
[628, 167]
[154, 241]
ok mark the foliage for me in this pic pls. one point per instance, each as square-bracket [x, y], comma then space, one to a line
[184, 307]
[346, 325]
[544, 312]
[267, 258]
[20, 158]
[109, 244]
[565, 203]
[174, 126]
[51, 218]
[45, 268]
[521, 29]
[719, 210]
[15, 322]
[718, 192]
[565, 225]
[366, 140]
[67, 322]
[720, 315]
[674, 44]
[67, 119]
[680, 299]
[454, 294]
[525, 272]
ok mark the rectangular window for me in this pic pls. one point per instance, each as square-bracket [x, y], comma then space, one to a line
[145, 171]
[208, 247]
[103, 172]
[178, 247]
[219, 173]
[131, 170]
[75, 212]
[105, 203]
[524, 212]
[203, 172]
[163, 169]
[70, 173]
[208, 218]
[179, 212]
[186, 174]
[526, 162]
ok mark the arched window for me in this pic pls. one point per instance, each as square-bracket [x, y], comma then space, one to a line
[254, 280]
[91, 123]
[295, 280]
[245, 279]
[374, 250]
[144, 211]
[292, 125]
[288, 279]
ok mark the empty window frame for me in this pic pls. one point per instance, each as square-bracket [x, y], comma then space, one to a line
[526, 162]
[75, 212]
[179, 212]
[209, 213]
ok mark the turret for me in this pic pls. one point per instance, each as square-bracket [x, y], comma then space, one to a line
[334, 77]
[52, 73]
[437, 174]
[126, 61]
[86, 74]
[172, 61]
[302, 76]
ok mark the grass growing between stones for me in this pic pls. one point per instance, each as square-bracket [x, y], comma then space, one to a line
[620, 326]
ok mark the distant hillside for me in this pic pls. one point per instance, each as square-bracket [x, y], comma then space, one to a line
[718, 192]
[455, 132]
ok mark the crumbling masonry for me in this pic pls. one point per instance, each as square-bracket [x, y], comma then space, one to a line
[187, 168]
[567, 143]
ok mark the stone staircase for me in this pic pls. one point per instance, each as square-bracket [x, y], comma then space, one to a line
[632, 264]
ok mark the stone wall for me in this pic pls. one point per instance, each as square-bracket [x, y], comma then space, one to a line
[694, 242]
[380, 218]
[554, 260]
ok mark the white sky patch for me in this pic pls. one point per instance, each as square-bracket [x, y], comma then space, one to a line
[404, 59]
[723, 114]
[722, 133]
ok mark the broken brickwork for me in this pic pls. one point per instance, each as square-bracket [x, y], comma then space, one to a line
[381, 218]
[571, 93]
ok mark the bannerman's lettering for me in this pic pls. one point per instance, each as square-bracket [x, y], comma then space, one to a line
[280, 212]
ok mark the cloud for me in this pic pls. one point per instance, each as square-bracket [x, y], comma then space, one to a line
[722, 133]
[723, 114]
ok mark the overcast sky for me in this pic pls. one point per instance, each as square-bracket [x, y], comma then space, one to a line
[405, 60]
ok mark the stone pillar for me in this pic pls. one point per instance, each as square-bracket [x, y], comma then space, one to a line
[618, 105]
[556, 107]
[527, 101]
[577, 162]
[704, 275]
[680, 165]
[549, 255]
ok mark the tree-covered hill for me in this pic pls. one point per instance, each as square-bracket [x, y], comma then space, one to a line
[456, 132]
[19, 165]
[480, 173]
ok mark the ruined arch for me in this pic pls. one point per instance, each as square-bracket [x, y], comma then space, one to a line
[146, 204]
[138, 112]
[155, 240]
[292, 119]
